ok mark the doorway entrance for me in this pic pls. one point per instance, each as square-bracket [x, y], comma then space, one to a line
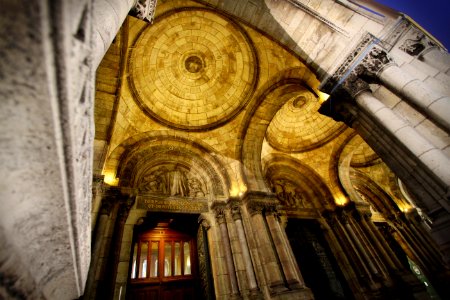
[316, 261]
[164, 259]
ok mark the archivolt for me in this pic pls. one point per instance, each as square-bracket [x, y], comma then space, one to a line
[139, 153]
[314, 190]
[281, 88]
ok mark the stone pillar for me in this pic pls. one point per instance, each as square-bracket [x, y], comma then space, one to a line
[103, 233]
[436, 58]
[289, 271]
[432, 157]
[98, 188]
[417, 162]
[236, 214]
[328, 223]
[378, 66]
[380, 243]
[432, 103]
[208, 281]
[271, 269]
[359, 246]
[221, 220]
[108, 18]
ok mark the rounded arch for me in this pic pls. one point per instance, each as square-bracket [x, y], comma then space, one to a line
[274, 94]
[374, 194]
[137, 156]
[279, 167]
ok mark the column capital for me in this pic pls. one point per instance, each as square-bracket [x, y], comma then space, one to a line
[234, 203]
[219, 212]
[366, 61]
[376, 60]
[256, 202]
[204, 222]
[144, 10]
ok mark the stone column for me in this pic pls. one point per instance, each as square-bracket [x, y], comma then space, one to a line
[269, 263]
[362, 252]
[327, 223]
[208, 281]
[236, 214]
[104, 232]
[221, 220]
[290, 273]
[378, 66]
[380, 243]
[407, 135]
[108, 17]
[433, 104]
[417, 162]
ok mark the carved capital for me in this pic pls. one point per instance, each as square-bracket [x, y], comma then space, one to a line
[219, 211]
[236, 212]
[374, 62]
[144, 10]
[254, 208]
[204, 222]
[365, 62]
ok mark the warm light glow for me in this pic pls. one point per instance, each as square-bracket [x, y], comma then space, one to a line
[405, 208]
[234, 192]
[340, 200]
[238, 191]
[111, 179]
[323, 97]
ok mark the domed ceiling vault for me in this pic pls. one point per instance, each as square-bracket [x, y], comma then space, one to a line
[199, 75]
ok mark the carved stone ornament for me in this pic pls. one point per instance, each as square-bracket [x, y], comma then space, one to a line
[255, 208]
[289, 194]
[355, 67]
[236, 212]
[172, 180]
[144, 10]
[416, 42]
[204, 222]
[375, 61]
[220, 214]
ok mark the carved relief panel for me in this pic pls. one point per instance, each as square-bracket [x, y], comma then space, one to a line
[173, 180]
[289, 194]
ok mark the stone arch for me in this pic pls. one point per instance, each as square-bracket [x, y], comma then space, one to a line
[311, 184]
[275, 93]
[138, 154]
[374, 194]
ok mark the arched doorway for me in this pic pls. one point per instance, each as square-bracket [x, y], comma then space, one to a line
[164, 260]
[316, 261]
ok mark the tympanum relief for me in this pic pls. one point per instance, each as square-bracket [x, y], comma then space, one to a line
[289, 194]
[172, 180]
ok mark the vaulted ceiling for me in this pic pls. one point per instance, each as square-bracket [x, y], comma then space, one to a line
[204, 89]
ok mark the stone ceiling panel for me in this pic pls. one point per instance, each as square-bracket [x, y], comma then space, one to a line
[193, 70]
[298, 126]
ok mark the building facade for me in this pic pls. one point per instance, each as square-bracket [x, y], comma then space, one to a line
[255, 149]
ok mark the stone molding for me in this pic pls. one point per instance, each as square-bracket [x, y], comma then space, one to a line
[365, 62]
[318, 16]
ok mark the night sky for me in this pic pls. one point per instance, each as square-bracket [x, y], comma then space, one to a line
[433, 15]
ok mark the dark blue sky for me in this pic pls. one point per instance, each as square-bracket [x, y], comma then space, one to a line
[433, 15]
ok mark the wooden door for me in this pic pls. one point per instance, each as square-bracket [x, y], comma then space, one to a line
[163, 266]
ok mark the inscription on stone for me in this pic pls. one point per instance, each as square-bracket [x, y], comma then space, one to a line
[172, 205]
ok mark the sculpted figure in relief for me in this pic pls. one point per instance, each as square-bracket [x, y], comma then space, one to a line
[173, 181]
